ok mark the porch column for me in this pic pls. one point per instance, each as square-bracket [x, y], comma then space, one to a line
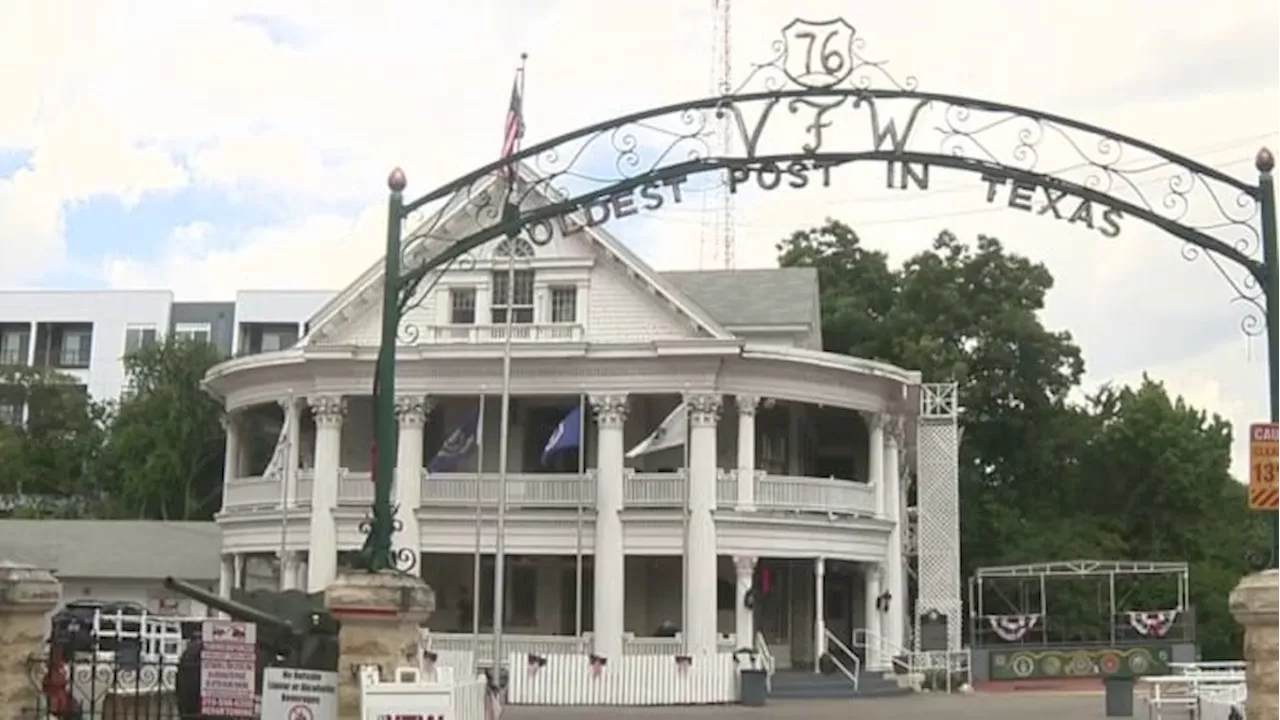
[871, 588]
[746, 452]
[700, 537]
[322, 548]
[819, 611]
[411, 415]
[231, 462]
[292, 450]
[289, 564]
[609, 596]
[226, 576]
[875, 458]
[744, 617]
[237, 571]
[895, 620]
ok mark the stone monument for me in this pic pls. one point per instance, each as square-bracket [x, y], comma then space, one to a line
[1255, 604]
[27, 594]
[381, 614]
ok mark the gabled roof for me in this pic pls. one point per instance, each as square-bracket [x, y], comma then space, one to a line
[753, 298]
[336, 311]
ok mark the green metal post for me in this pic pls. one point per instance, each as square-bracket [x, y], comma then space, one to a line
[377, 551]
[1265, 163]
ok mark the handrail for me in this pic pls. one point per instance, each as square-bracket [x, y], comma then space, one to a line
[857, 664]
[766, 659]
[888, 649]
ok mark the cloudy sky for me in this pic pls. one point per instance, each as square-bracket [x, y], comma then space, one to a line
[210, 146]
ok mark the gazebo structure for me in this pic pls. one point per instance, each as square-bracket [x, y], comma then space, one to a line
[1080, 618]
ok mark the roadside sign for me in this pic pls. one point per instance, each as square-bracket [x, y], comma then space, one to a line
[228, 668]
[1264, 473]
[291, 694]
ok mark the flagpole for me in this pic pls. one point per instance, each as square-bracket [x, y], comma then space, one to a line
[479, 516]
[684, 524]
[504, 430]
[582, 486]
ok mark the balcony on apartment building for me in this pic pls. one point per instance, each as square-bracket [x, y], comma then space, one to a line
[263, 337]
[15, 343]
[64, 345]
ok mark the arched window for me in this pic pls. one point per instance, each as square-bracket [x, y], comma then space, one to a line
[521, 248]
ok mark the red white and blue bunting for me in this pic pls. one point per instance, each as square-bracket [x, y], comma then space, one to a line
[1153, 623]
[1012, 628]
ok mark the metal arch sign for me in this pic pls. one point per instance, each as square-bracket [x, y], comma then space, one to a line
[1264, 467]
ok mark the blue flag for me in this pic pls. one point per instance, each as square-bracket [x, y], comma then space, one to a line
[568, 434]
[460, 443]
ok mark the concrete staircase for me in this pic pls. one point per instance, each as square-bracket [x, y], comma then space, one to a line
[808, 685]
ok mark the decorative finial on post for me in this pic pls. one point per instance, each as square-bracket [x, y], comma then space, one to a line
[1265, 161]
[396, 180]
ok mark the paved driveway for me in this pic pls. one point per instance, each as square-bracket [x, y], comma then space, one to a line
[1001, 706]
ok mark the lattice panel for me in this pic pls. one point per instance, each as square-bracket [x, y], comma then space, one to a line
[938, 510]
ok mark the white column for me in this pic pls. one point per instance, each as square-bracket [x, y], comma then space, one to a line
[226, 576]
[237, 571]
[610, 597]
[895, 620]
[819, 610]
[289, 564]
[875, 458]
[746, 451]
[871, 588]
[744, 617]
[700, 537]
[231, 463]
[322, 550]
[411, 414]
[293, 448]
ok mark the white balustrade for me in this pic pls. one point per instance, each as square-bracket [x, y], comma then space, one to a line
[641, 489]
[778, 492]
[726, 488]
[251, 492]
[527, 490]
[355, 488]
[558, 332]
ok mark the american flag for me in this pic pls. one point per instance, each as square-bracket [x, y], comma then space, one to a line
[515, 126]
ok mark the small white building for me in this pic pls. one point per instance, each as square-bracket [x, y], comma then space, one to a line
[119, 560]
[816, 504]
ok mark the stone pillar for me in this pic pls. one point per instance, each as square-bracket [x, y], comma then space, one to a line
[231, 461]
[27, 594]
[875, 458]
[872, 579]
[411, 415]
[744, 617]
[895, 617]
[381, 614]
[819, 611]
[746, 451]
[609, 587]
[322, 548]
[700, 536]
[1254, 604]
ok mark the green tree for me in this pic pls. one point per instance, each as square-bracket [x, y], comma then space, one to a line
[1127, 474]
[51, 444]
[166, 443]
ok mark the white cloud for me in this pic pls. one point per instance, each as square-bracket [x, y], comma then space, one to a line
[144, 97]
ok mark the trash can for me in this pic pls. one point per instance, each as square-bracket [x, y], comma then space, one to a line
[1119, 695]
[754, 687]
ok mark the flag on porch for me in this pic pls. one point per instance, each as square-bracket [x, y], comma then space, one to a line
[566, 436]
[670, 434]
[514, 129]
[459, 444]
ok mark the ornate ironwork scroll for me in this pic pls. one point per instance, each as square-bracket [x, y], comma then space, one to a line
[403, 559]
[817, 103]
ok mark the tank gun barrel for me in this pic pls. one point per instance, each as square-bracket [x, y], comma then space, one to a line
[237, 610]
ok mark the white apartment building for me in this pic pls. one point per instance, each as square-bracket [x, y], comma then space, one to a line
[87, 333]
[812, 502]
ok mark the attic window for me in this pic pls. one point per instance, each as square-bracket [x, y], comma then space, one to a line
[522, 248]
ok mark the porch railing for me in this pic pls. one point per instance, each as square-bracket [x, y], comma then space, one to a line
[666, 490]
[554, 644]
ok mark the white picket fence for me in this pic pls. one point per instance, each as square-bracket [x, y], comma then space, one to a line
[412, 692]
[632, 680]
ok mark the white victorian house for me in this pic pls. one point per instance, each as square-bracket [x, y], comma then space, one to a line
[789, 519]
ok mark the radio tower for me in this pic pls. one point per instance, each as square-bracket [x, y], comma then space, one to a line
[718, 230]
